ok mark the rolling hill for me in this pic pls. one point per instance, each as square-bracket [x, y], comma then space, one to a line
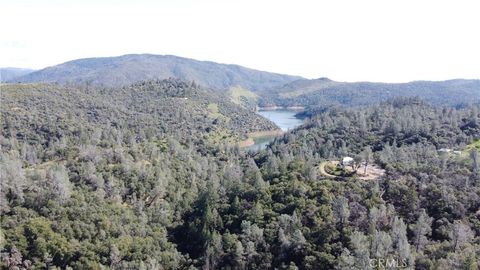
[325, 92]
[132, 68]
[246, 86]
[10, 73]
[162, 109]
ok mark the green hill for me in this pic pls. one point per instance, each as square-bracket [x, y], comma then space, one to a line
[325, 92]
[132, 68]
[147, 109]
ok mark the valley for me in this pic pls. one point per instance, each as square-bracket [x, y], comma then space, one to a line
[285, 119]
[119, 168]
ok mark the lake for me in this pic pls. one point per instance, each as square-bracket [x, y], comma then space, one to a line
[284, 119]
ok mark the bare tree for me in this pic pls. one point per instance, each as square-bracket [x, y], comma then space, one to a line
[421, 229]
[460, 234]
[59, 183]
[12, 181]
[475, 163]
[367, 155]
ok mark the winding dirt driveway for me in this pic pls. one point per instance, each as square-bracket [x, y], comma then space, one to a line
[373, 171]
[321, 168]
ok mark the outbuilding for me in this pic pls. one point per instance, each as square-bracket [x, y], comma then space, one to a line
[347, 161]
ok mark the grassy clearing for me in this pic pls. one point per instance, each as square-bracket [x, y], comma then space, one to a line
[239, 94]
[474, 145]
[213, 111]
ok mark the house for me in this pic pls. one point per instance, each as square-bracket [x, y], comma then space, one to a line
[347, 161]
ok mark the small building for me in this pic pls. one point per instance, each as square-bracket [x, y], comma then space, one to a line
[457, 153]
[444, 150]
[347, 161]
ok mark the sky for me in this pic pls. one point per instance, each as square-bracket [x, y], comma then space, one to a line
[345, 40]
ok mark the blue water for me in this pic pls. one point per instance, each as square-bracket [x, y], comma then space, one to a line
[284, 119]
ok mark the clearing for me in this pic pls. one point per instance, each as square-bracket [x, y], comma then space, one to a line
[332, 170]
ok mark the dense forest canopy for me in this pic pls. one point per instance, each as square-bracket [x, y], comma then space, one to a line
[148, 176]
[149, 109]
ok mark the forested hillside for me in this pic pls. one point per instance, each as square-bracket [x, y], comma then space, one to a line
[324, 92]
[148, 109]
[132, 68]
[424, 211]
[133, 178]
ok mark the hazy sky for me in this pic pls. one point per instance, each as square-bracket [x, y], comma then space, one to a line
[344, 40]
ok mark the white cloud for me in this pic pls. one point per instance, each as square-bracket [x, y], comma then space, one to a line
[345, 40]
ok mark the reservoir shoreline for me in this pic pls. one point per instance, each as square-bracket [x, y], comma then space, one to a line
[284, 118]
[250, 141]
[275, 108]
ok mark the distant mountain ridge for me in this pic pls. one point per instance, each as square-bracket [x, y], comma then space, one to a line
[10, 73]
[249, 87]
[132, 68]
[325, 92]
